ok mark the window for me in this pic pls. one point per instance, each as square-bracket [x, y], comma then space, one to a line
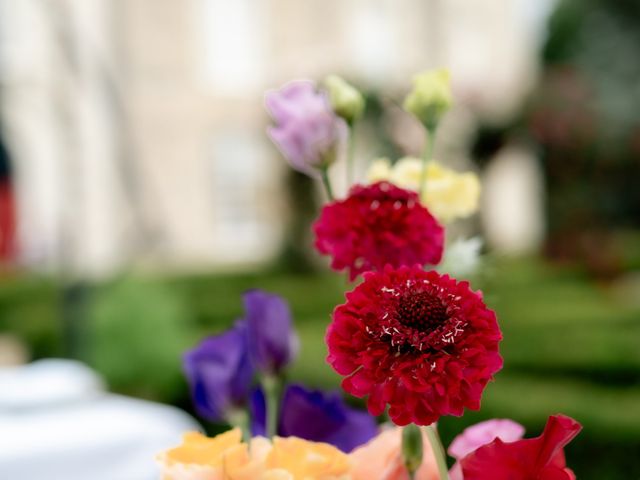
[372, 37]
[233, 37]
[244, 204]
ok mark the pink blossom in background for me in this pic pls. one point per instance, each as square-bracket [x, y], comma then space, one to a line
[481, 434]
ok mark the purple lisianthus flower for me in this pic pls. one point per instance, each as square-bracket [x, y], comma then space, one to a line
[220, 373]
[307, 131]
[317, 416]
[272, 341]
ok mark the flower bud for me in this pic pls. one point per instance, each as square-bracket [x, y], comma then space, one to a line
[345, 99]
[412, 448]
[430, 98]
[307, 131]
[272, 342]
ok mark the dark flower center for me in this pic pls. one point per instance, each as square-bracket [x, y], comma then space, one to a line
[421, 311]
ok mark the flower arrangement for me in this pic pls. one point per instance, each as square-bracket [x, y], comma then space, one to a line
[417, 343]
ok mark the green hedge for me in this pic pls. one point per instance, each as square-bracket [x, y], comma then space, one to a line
[569, 347]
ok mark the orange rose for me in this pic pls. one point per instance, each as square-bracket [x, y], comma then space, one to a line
[218, 458]
[225, 457]
[305, 460]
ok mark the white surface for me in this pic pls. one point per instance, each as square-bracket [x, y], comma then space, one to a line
[47, 382]
[78, 432]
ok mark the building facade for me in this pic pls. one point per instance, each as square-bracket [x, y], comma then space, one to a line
[137, 128]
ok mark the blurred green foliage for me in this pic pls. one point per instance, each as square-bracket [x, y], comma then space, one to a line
[568, 345]
[137, 332]
[29, 310]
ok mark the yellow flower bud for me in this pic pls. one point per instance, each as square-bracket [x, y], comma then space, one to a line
[345, 99]
[430, 98]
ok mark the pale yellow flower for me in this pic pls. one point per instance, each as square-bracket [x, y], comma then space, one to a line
[407, 173]
[447, 194]
[379, 170]
[430, 98]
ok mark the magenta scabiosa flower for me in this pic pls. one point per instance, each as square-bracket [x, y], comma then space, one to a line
[420, 342]
[378, 225]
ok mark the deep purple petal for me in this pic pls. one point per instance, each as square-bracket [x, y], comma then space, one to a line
[272, 341]
[258, 413]
[220, 373]
[324, 417]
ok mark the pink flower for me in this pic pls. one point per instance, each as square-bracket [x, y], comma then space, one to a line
[381, 459]
[479, 435]
[540, 458]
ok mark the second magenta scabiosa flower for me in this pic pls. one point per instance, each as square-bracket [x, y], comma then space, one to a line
[307, 131]
[377, 225]
[421, 342]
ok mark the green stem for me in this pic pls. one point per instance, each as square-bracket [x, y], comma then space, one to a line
[412, 448]
[351, 151]
[271, 387]
[427, 154]
[240, 419]
[327, 184]
[438, 451]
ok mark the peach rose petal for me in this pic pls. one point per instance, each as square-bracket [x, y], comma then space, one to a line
[381, 459]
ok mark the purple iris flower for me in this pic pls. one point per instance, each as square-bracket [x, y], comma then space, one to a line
[220, 373]
[221, 368]
[272, 342]
[307, 131]
[317, 416]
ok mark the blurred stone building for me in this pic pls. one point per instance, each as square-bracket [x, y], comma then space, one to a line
[136, 127]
